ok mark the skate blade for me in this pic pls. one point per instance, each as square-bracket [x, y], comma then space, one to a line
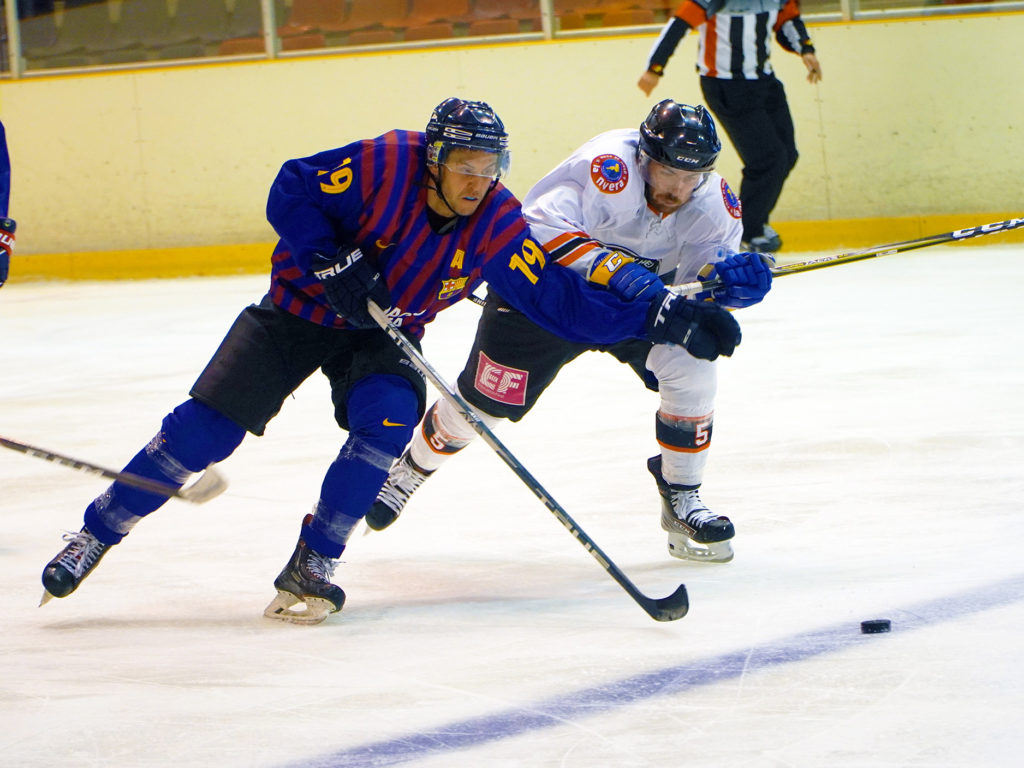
[315, 611]
[684, 548]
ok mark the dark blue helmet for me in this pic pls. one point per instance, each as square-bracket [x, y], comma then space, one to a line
[680, 136]
[459, 124]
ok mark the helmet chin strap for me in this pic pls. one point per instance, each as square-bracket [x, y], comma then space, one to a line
[437, 188]
[438, 191]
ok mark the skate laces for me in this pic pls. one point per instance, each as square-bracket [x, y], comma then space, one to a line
[693, 510]
[401, 484]
[320, 566]
[82, 551]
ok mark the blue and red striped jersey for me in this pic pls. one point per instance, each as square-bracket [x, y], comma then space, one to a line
[373, 194]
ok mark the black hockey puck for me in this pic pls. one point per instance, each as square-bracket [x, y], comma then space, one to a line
[874, 626]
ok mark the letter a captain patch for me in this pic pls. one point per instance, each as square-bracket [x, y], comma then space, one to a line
[499, 382]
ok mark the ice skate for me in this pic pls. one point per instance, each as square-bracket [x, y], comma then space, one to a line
[68, 569]
[767, 242]
[306, 579]
[403, 480]
[694, 531]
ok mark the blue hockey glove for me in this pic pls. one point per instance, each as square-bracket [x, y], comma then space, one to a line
[625, 276]
[7, 227]
[705, 329]
[634, 281]
[746, 278]
[349, 279]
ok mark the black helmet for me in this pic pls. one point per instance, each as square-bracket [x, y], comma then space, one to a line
[680, 136]
[459, 124]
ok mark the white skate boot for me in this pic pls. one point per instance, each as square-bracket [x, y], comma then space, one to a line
[403, 480]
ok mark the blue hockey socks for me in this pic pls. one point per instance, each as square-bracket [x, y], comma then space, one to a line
[383, 411]
[192, 437]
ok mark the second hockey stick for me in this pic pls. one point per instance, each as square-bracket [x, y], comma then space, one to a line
[208, 485]
[668, 608]
[698, 286]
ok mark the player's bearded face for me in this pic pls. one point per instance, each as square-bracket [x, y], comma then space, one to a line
[669, 188]
[464, 178]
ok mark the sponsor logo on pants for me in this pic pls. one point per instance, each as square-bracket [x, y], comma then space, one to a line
[499, 382]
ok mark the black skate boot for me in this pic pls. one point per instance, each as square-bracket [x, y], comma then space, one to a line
[403, 480]
[694, 531]
[306, 579]
[68, 569]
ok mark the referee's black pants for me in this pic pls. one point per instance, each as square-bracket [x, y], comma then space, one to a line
[755, 116]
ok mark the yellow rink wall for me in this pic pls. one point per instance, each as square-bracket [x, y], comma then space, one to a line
[916, 129]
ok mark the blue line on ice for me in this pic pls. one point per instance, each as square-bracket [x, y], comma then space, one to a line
[670, 680]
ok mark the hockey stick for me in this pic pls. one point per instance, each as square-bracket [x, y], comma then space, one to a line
[690, 289]
[668, 608]
[209, 484]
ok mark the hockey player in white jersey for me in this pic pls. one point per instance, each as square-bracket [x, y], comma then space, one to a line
[631, 210]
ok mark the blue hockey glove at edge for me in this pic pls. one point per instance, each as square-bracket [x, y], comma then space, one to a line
[706, 330]
[7, 227]
[349, 279]
[746, 278]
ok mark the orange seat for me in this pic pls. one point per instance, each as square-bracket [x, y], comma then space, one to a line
[424, 11]
[437, 31]
[515, 9]
[240, 45]
[314, 16]
[371, 37]
[627, 18]
[367, 14]
[571, 21]
[494, 27]
[303, 42]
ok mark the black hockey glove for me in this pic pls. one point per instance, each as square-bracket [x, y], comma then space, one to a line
[349, 279]
[706, 330]
[7, 227]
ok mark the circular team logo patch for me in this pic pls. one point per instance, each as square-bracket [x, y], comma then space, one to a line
[609, 173]
[732, 203]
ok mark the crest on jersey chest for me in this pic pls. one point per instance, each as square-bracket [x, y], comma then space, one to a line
[609, 173]
[451, 287]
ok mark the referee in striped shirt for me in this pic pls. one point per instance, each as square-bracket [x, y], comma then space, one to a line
[740, 87]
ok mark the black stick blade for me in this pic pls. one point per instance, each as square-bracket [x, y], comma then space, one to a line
[670, 608]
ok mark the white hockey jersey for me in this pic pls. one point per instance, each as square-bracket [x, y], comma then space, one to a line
[594, 201]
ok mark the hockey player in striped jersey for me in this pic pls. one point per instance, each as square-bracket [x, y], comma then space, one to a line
[629, 210]
[414, 222]
[741, 89]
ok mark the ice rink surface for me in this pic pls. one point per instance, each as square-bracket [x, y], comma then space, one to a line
[868, 445]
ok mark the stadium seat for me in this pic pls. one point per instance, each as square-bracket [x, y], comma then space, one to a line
[435, 31]
[426, 11]
[513, 9]
[375, 14]
[314, 16]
